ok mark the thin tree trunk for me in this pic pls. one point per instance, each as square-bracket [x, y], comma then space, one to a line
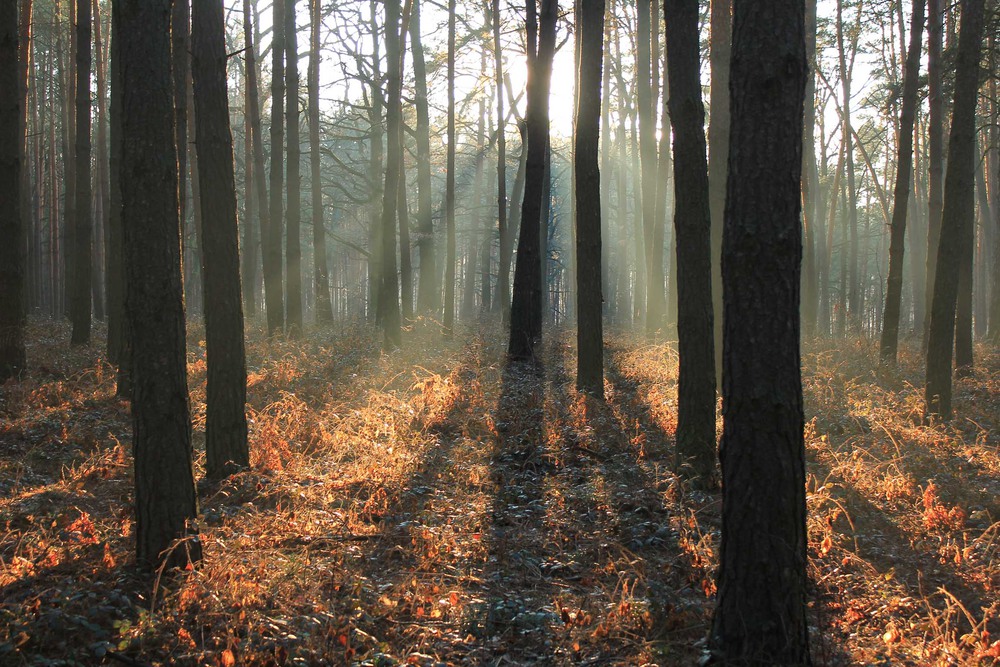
[718, 153]
[428, 286]
[449, 196]
[935, 151]
[901, 193]
[82, 240]
[388, 298]
[693, 225]
[273, 296]
[655, 302]
[293, 214]
[589, 291]
[225, 425]
[324, 309]
[502, 300]
[957, 219]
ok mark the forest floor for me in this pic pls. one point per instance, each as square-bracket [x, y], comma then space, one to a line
[430, 507]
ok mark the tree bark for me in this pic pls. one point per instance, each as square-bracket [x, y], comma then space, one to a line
[526, 305]
[165, 501]
[958, 214]
[293, 214]
[935, 150]
[83, 232]
[226, 424]
[324, 308]
[449, 196]
[12, 259]
[428, 285]
[655, 302]
[260, 184]
[273, 297]
[901, 192]
[693, 225]
[760, 617]
[502, 302]
[718, 152]
[589, 292]
[388, 298]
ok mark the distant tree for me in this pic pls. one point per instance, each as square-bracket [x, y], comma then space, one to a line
[165, 500]
[12, 259]
[901, 192]
[693, 227]
[428, 284]
[526, 305]
[83, 233]
[449, 191]
[324, 308]
[293, 214]
[958, 213]
[760, 615]
[119, 348]
[273, 297]
[590, 331]
[259, 180]
[226, 424]
[388, 298]
[502, 302]
[655, 297]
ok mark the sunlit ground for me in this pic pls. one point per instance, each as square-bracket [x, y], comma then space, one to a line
[426, 507]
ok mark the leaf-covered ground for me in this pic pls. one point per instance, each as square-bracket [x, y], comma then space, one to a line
[431, 507]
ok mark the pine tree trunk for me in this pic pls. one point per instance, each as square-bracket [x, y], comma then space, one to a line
[273, 297]
[83, 229]
[449, 196]
[901, 192]
[958, 214]
[262, 200]
[526, 305]
[718, 152]
[589, 332]
[935, 150]
[324, 309]
[12, 115]
[693, 225]
[760, 617]
[655, 302]
[293, 214]
[225, 424]
[388, 298]
[165, 501]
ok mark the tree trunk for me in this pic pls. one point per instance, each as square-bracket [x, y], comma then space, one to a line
[293, 214]
[718, 152]
[901, 192]
[526, 305]
[502, 300]
[226, 424]
[655, 302]
[693, 225]
[760, 617]
[388, 298]
[935, 151]
[180, 57]
[589, 292]
[958, 213]
[249, 245]
[165, 501]
[118, 338]
[12, 119]
[324, 309]
[853, 294]
[428, 286]
[83, 232]
[260, 184]
[449, 196]
[273, 296]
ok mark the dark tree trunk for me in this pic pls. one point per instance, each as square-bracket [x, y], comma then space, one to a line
[655, 301]
[324, 309]
[449, 192]
[165, 500]
[901, 192]
[935, 150]
[119, 348]
[428, 285]
[226, 424]
[502, 300]
[12, 259]
[293, 214]
[526, 305]
[958, 213]
[388, 298]
[852, 293]
[83, 236]
[693, 227]
[180, 56]
[760, 617]
[812, 218]
[249, 244]
[260, 184]
[104, 176]
[273, 297]
[718, 152]
[589, 332]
